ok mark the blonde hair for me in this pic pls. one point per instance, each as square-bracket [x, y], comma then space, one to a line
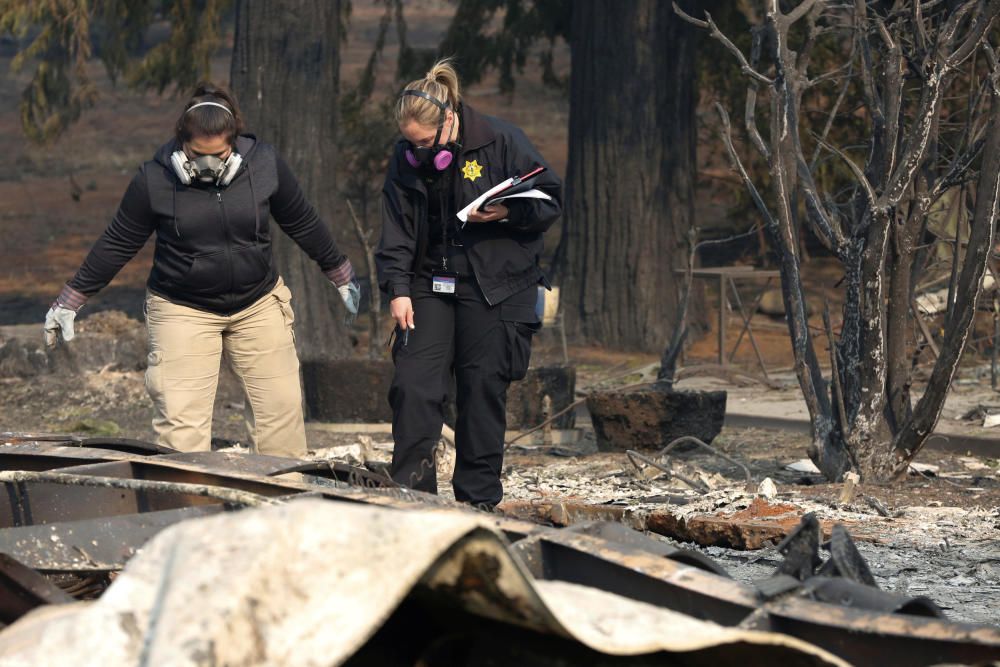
[440, 82]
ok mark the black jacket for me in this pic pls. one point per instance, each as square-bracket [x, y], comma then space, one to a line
[503, 256]
[213, 245]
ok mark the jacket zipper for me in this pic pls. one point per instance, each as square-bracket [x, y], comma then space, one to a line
[419, 260]
[229, 243]
[458, 233]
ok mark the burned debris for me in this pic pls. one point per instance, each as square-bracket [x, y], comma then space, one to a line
[76, 515]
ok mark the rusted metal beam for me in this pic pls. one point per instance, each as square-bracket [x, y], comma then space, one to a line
[22, 589]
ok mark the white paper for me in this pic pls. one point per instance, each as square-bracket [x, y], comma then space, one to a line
[463, 215]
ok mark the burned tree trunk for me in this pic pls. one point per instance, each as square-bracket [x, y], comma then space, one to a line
[907, 56]
[288, 90]
[630, 180]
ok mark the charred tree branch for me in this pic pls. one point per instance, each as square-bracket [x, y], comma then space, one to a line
[750, 112]
[982, 232]
[737, 164]
[721, 37]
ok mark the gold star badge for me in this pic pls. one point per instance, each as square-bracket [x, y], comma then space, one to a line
[472, 170]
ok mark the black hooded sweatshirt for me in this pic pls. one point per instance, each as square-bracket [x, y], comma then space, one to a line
[213, 244]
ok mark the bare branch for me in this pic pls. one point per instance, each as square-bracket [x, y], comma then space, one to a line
[750, 111]
[920, 136]
[839, 72]
[981, 24]
[668, 362]
[858, 174]
[959, 166]
[826, 230]
[833, 112]
[734, 158]
[950, 27]
[800, 11]
[721, 37]
[867, 66]
[921, 29]
[375, 311]
[893, 67]
[838, 392]
[884, 33]
[994, 67]
[959, 325]
[805, 51]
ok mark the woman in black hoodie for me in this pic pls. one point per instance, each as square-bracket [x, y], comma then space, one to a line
[463, 295]
[208, 195]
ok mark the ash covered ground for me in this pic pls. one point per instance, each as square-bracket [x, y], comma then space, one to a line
[941, 538]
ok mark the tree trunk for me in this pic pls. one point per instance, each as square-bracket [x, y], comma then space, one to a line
[630, 180]
[285, 72]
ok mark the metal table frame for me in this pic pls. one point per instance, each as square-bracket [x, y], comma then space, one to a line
[727, 277]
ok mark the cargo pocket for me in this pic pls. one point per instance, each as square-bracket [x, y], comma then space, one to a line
[154, 378]
[284, 297]
[520, 323]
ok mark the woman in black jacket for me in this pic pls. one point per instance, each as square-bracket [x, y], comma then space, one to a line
[208, 195]
[463, 295]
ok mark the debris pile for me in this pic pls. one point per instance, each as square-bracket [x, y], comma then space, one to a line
[252, 559]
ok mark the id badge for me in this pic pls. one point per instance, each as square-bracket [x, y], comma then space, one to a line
[443, 282]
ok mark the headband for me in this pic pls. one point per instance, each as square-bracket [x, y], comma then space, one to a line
[416, 93]
[211, 104]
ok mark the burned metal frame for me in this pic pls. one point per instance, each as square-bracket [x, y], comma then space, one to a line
[858, 635]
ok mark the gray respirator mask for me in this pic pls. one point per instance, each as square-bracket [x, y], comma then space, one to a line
[207, 169]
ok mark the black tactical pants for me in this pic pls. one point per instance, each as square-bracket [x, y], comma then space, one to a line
[486, 348]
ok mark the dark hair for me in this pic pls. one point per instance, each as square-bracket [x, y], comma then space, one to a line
[210, 120]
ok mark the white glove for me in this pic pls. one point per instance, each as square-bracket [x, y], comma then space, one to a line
[59, 319]
[351, 294]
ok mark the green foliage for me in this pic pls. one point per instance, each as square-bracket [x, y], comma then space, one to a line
[412, 63]
[479, 45]
[119, 28]
[184, 58]
[59, 37]
[367, 127]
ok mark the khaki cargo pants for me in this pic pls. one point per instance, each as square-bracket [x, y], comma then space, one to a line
[186, 347]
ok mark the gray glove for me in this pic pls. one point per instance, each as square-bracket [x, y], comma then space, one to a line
[61, 315]
[343, 278]
[59, 319]
[351, 294]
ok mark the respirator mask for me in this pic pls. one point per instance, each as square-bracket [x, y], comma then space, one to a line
[438, 156]
[207, 169]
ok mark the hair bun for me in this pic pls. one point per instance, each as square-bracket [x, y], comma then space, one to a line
[205, 89]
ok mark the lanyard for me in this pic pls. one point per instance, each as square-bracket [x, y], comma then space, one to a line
[444, 227]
